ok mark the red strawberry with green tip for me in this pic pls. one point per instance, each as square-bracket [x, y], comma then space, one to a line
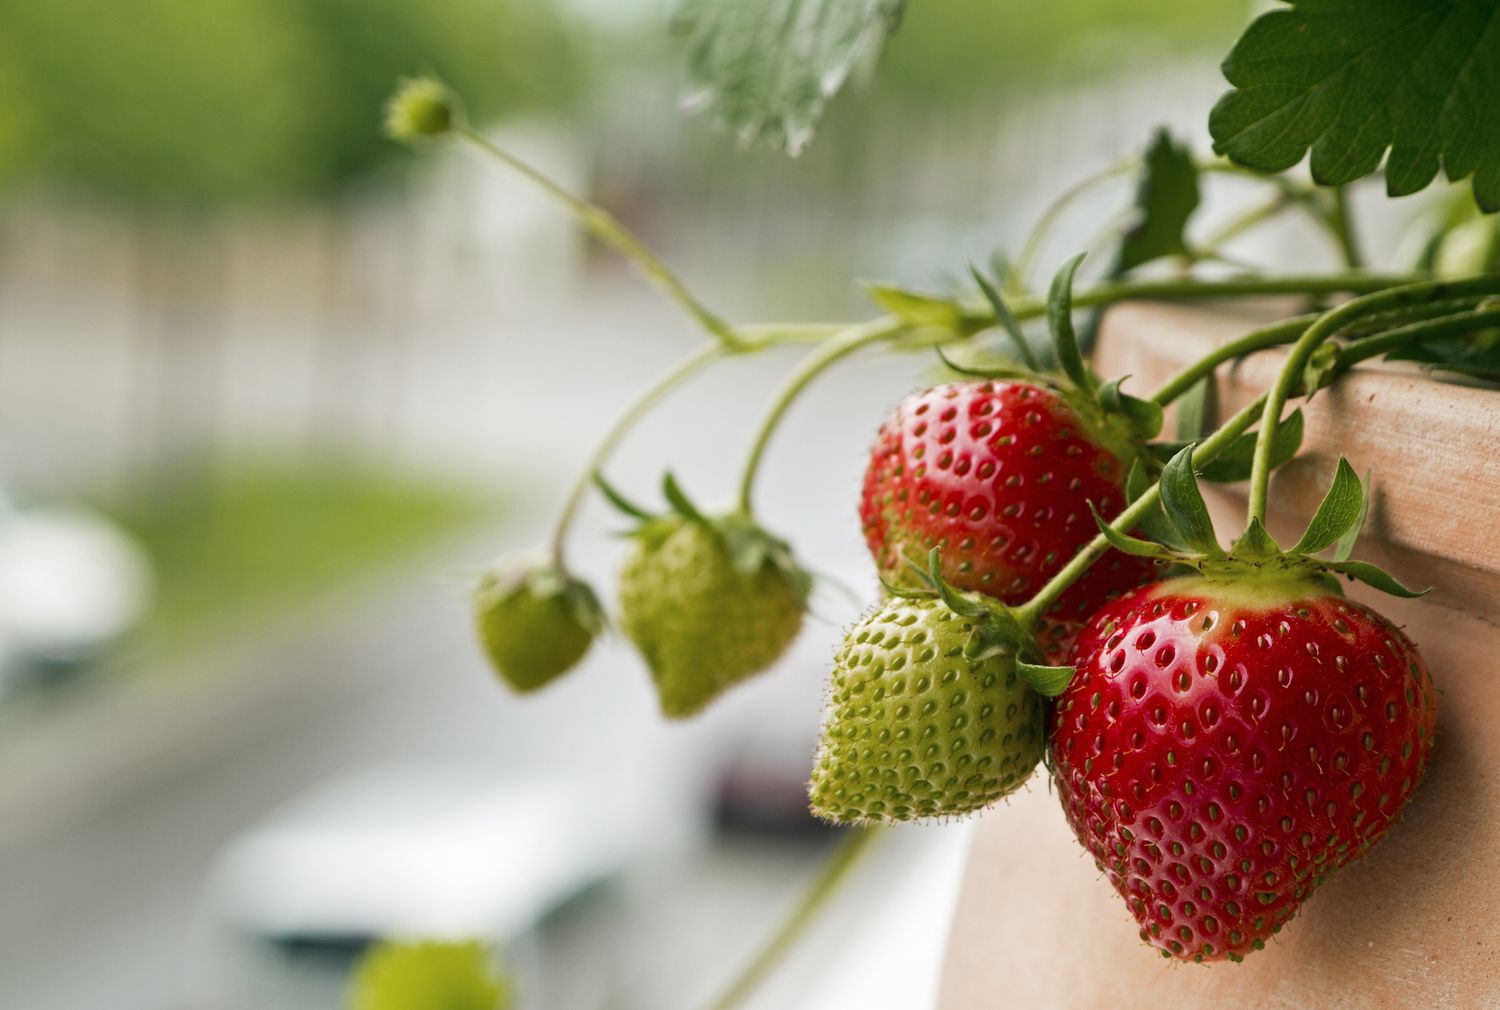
[1234, 736]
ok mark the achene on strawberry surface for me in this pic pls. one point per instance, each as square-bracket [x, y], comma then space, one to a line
[1227, 744]
[1000, 475]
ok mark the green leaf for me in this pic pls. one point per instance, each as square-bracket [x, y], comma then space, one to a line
[766, 69]
[1006, 319]
[1185, 507]
[425, 976]
[1237, 459]
[1165, 200]
[1060, 322]
[1192, 411]
[919, 309]
[1349, 79]
[1344, 549]
[1340, 509]
[1048, 681]
[1129, 544]
[1373, 575]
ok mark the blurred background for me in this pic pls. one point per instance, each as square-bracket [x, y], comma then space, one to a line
[272, 390]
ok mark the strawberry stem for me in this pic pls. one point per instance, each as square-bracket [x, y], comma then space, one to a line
[832, 351]
[1267, 336]
[822, 887]
[1326, 326]
[607, 229]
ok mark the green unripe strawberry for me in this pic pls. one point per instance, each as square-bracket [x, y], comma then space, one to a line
[708, 603]
[921, 724]
[534, 623]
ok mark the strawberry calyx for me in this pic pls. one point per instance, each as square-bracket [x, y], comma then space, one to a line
[750, 546]
[998, 629]
[1322, 554]
[544, 580]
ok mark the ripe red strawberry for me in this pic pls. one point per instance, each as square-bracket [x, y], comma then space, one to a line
[1000, 475]
[1230, 739]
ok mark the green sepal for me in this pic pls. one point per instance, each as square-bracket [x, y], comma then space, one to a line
[751, 548]
[1185, 507]
[680, 502]
[1132, 545]
[1006, 319]
[1137, 481]
[1048, 681]
[1375, 577]
[1060, 323]
[619, 501]
[1255, 544]
[956, 601]
[1144, 416]
[975, 371]
[1341, 508]
[1344, 549]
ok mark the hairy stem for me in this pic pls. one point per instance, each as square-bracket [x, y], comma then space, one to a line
[607, 228]
[846, 343]
[822, 887]
[1329, 324]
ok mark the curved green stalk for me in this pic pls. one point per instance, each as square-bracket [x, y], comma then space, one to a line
[1127, 520]
[1415, 333]
[822, 887]
[607, 228]
[1302, 351]
[846, 343]
[1015, 282]
[684, 370]
[1267, 336]
[1341, 224]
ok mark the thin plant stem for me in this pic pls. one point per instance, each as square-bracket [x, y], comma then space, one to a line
[607, 228]
[709, 352]
[823, 886]
[1031, 248]
[1341, 223]
[832, 351]
[1267, 336]
[1302, 351]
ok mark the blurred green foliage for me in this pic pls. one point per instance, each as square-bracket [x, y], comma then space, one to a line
[205, 102]
[959, 51]
[234, 546]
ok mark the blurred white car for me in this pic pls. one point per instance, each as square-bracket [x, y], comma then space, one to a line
[417, 851]
[71, 585]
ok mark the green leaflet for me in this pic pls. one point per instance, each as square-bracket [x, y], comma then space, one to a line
[766, 69]
[1341, 508]
[1184, 505]
[1165, 200]
[1349, 79]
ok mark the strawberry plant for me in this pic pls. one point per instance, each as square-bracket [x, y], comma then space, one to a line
[1224, 728]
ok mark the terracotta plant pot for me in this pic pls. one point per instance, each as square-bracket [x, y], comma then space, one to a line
[1413, 923]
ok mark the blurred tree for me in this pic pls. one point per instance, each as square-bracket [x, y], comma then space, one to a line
[205, 102]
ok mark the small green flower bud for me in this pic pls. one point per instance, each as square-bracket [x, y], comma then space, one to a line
[421, 107]
[535, 622]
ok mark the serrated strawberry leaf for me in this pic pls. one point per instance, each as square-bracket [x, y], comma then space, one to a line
[1185, 507]
[1375, 576]
[1048, 681]
[766, 69]
[1165, 200]
[1060, 323]
[1350, 79]
[1340, 509]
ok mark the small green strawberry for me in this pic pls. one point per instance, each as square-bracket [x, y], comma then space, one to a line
[535, 622]
[707, 601]
[428, 975]
[934, 709]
